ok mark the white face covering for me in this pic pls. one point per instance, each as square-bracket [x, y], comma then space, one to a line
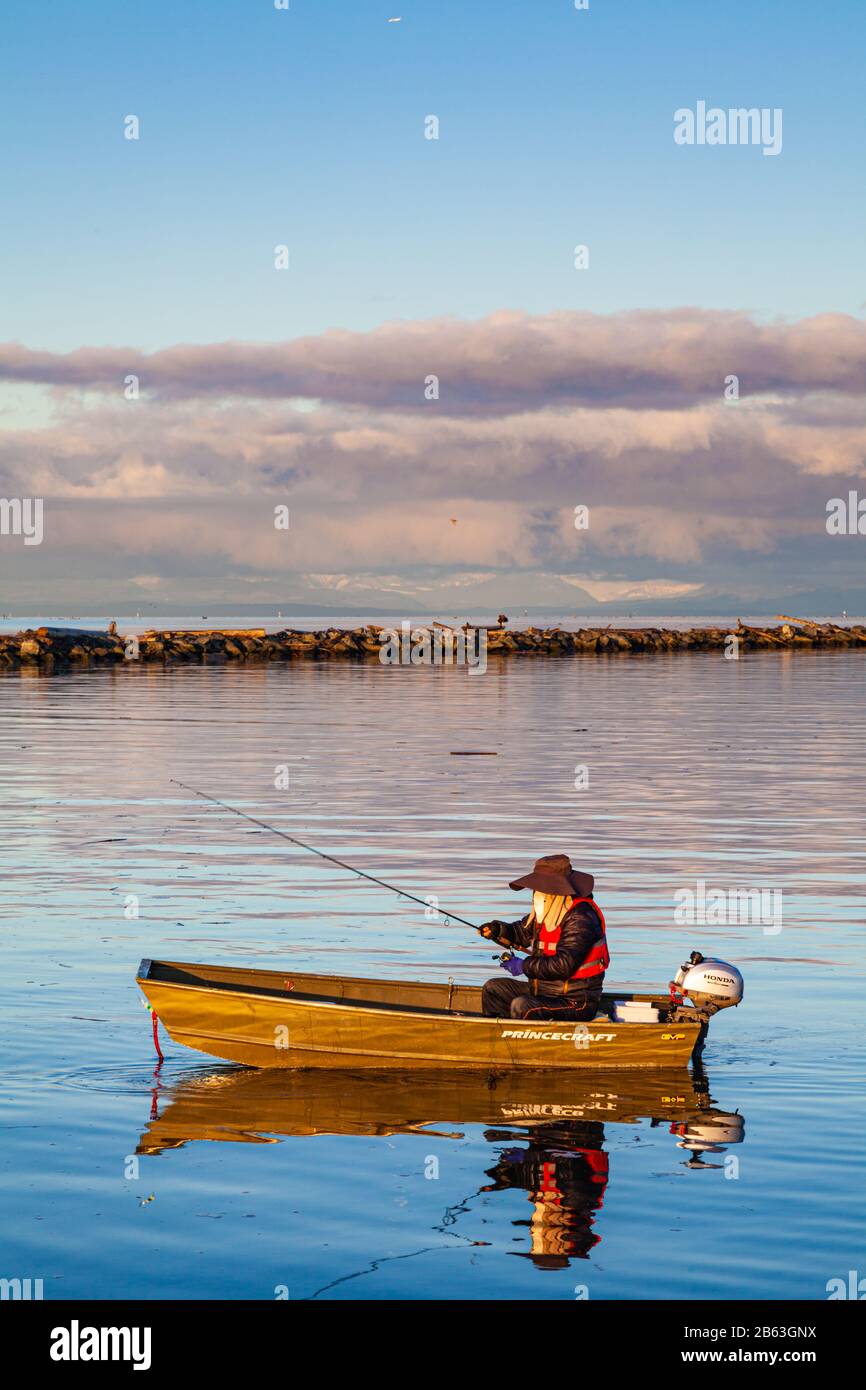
[540, 903]
[549, 908]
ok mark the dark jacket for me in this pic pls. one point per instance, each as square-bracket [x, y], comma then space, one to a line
[580, 929]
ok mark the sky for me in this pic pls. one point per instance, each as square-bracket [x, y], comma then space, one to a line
[409, 258]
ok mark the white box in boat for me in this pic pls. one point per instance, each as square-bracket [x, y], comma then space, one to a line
[635, 1011]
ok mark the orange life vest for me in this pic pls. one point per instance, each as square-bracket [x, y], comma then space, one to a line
[598, 959]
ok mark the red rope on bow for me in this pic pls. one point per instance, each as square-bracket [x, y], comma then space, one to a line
[156, 1036]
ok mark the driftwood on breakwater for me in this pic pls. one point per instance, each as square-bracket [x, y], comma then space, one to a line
[52, 648]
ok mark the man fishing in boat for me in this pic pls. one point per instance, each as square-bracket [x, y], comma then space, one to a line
[561, 975]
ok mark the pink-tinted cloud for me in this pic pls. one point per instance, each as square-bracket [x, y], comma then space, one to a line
[624, 414]
[508, 361]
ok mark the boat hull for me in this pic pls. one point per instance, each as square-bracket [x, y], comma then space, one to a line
[268, 1019]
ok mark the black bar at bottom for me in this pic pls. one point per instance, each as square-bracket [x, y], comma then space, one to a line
[194, 1339]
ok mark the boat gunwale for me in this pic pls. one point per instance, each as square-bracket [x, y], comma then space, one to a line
[368, 1007]
[628, 990]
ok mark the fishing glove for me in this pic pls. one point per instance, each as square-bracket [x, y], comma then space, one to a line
[513, 966]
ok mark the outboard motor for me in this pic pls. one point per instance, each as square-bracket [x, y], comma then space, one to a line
[710, 984]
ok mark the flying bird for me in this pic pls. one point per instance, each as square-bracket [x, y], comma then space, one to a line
[396, 19]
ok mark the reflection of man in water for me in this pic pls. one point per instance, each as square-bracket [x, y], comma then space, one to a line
[564, 1170]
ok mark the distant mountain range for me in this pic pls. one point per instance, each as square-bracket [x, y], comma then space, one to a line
[807, 605]
[470, 597]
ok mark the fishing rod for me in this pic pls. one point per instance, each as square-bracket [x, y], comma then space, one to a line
[321, 853]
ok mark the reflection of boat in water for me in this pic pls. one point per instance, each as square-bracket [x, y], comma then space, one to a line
[548, 1130]
[245, 1106]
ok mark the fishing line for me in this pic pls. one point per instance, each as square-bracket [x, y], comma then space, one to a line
[321, 853]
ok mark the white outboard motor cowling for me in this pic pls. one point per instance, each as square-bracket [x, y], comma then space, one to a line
[709, 983]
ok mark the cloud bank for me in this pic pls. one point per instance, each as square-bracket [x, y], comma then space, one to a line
[507, 361]
[631, 415]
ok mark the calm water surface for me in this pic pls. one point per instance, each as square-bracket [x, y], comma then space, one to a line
[201, 1180]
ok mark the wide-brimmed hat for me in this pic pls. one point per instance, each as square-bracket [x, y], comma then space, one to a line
[553, 874]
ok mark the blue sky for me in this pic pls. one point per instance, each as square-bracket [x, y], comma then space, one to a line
[306, 127]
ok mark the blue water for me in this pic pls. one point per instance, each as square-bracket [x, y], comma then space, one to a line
[743, 774]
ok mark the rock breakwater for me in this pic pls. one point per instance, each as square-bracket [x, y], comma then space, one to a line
[52, 648]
